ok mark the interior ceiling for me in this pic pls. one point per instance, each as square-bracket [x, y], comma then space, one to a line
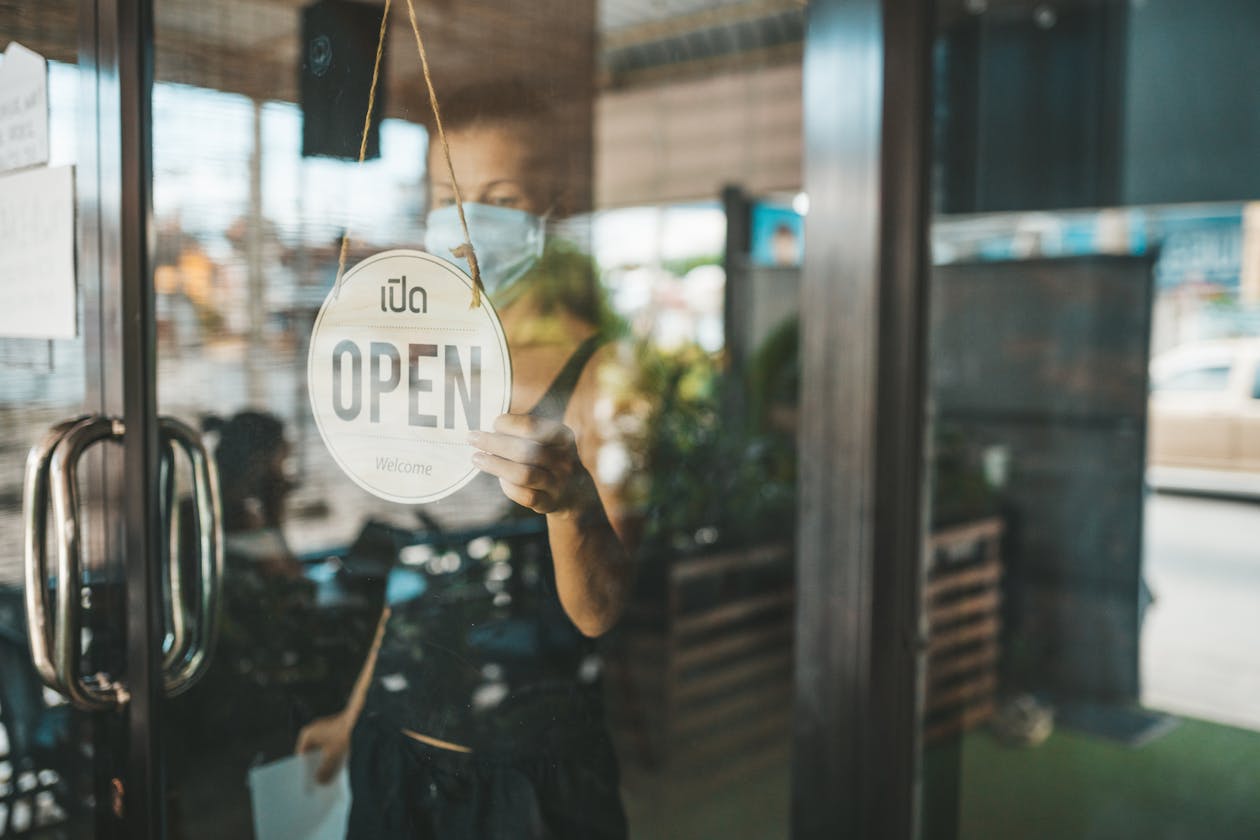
[252, 46]
[565, 46]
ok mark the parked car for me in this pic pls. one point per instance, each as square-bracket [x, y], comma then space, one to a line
[1204, 418]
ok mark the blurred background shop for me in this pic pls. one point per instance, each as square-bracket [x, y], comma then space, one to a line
[1088, 658]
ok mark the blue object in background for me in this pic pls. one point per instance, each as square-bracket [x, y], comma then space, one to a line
[778, 236]
[404, 585]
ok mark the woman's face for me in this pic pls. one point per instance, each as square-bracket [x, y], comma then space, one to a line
[493, 164]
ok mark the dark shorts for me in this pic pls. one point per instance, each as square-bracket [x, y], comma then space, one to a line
[407, 790]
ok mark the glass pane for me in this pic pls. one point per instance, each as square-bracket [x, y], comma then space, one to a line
[593, 636]
[1091, 591]
[45, 769]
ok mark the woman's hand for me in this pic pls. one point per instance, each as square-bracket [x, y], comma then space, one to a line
[536, 461]
[331, 736]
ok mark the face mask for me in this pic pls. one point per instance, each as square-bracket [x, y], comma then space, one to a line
[508, 242]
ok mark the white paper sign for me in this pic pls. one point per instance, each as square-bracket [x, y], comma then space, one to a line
[290, 805]
[401, 369]
[23, 108]
[37, 287]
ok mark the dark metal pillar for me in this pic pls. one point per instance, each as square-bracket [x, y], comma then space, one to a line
[862, 471]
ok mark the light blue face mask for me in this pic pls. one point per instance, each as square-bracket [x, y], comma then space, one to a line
[508, 241]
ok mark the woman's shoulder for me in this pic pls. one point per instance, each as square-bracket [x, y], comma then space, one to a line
[607, 377]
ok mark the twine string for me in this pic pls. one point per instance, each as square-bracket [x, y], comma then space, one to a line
[367, 125]
[464, 250]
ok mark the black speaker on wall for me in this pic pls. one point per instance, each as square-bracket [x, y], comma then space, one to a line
[338, 49]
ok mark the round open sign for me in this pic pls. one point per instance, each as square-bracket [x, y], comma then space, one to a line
[400, 370]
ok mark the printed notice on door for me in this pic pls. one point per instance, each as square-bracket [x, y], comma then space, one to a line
[23, 108]
[37, 283]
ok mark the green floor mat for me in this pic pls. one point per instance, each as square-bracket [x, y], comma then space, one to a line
[1200, 781]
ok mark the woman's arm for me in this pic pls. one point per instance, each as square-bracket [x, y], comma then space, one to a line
[354, 706]
[331, 735]
[542, 465]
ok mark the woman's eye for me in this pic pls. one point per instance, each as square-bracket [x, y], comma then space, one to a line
[505, 201]
[443, 200]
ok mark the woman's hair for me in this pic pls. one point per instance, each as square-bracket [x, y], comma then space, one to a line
[499, 101]
[246, 438]
[245, 457]
[531, 117]
[565, 277]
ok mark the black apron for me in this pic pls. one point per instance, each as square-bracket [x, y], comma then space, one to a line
[485, 657]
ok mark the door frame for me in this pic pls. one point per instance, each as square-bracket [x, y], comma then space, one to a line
[114, 178]
[142, 512]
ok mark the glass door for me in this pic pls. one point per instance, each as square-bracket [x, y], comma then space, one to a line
[592, 637]
[63, 761]
[1091, 580]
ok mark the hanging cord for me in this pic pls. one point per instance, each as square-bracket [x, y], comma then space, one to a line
[464, 251]
[367, 125]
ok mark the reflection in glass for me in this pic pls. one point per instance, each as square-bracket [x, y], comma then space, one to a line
[666, 697]
[1090, 645]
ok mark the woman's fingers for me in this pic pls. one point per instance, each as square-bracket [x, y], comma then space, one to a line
[512, 447]
[539, 501]
[539, 429]
[328, 767]
[526, 475]
[534, 459]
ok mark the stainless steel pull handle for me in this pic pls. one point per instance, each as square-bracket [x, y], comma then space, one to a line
[98, 692]
[56, 646]
[35, 527]
[172, 519]
[185, 669]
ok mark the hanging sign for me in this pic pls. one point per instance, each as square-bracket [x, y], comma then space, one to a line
[23, 108]
[401, 369]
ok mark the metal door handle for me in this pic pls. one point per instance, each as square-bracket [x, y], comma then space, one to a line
[171, 516]
[192, 657]
[56, 646]
[100, 692]
[35, 527]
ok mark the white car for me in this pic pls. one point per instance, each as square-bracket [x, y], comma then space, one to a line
[1204, 418]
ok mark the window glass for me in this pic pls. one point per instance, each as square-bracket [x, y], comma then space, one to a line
[593, 636]
[46, 748]
[1091, 657]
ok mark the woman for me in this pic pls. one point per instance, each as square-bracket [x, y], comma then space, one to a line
[477, 713]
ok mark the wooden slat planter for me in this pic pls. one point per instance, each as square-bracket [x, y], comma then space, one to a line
[962, 600]
[708, 684]
[701, 678]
